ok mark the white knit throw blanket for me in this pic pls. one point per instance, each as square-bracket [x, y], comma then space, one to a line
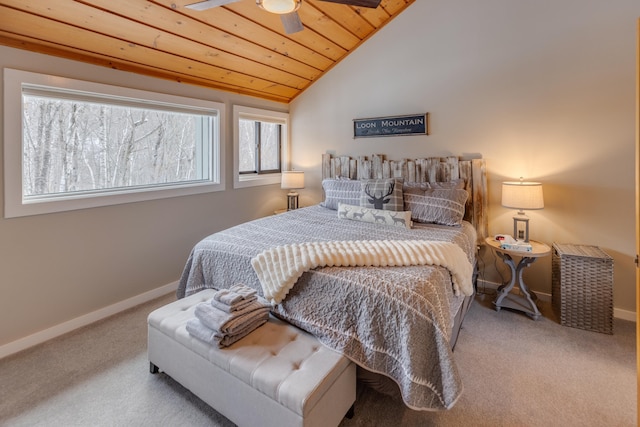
[279, 268]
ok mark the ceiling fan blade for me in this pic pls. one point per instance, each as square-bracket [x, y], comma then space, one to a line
[364, 3]
[208, 4]
[291, 22]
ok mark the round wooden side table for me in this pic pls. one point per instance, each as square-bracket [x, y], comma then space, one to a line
[526, 302]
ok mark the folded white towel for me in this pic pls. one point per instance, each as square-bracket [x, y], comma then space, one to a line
[241, 304]
[234, 298]
[229, 323]
[243, 290]
[226, 297]
[198, 330]
[246, 330]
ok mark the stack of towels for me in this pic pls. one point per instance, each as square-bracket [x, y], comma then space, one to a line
[229, 316]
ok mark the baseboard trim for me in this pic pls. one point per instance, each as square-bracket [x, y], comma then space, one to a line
[68, 326]
[618, 313]
[62, 328]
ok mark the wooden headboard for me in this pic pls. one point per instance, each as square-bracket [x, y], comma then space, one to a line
[430, 169]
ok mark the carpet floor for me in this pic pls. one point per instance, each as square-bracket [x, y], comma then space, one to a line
[516, 372]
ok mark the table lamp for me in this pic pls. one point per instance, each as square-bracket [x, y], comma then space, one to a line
[292, 180]
[522, 196]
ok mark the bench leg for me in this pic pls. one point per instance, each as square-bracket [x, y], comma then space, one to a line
[351, 412]
[153, 368]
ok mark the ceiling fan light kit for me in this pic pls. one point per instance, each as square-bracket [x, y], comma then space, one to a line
[279, 7]
[287, 9]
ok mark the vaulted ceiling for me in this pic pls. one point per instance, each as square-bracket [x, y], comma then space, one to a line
[238, 47]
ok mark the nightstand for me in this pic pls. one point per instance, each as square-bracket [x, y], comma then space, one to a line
[582, 287]
[526, 301]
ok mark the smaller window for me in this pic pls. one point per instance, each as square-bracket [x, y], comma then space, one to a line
[260, 146]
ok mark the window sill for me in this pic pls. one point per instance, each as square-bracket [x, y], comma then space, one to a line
[244, 181]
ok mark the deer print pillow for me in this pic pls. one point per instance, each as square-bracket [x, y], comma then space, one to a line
[376, 216]
[384, 194]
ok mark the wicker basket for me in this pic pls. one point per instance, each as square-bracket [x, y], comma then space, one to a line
[582, 287]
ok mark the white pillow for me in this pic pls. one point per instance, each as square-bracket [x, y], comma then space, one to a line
[376, 216]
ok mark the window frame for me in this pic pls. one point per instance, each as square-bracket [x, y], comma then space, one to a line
[15, 204]
[258, 150]
[243, 179]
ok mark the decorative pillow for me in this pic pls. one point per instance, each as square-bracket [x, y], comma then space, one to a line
[376, 216]
[438, 206]
[385, 194]
[340, 191]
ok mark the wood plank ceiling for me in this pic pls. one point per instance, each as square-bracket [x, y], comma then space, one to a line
[239, 47]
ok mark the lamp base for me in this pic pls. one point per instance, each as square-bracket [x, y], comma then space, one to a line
[292, 200]
[521, 233]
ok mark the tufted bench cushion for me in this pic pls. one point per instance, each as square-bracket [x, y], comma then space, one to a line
[278, 375]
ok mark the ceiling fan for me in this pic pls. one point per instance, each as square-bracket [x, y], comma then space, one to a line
[287, 9]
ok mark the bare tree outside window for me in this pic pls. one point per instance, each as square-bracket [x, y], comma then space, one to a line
[247, 140]
[74, 146]
[270, 146]
[259, 146]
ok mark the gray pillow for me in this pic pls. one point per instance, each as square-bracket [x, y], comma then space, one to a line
[437, 206]
[338, 191]
[385, 194]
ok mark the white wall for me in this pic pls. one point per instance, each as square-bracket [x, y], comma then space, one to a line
[59, 267]
[542, 89]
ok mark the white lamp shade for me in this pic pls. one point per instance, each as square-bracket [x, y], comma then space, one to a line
[281, 7]
[522, 195]
[292, 179]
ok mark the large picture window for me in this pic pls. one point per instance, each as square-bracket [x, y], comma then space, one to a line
[83, 144]
[260, 146]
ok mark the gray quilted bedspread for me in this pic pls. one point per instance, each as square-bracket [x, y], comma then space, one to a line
[392, 320]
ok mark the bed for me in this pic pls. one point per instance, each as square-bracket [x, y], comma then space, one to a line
[399, 322]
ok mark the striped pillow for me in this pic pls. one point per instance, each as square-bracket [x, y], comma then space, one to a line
[437, 206]
[338, 191]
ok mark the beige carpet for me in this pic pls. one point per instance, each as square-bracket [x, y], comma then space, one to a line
[516, 372]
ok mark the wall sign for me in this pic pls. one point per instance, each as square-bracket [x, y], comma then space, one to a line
[415, 124]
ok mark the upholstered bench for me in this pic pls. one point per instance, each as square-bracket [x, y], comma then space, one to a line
[278, 375]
